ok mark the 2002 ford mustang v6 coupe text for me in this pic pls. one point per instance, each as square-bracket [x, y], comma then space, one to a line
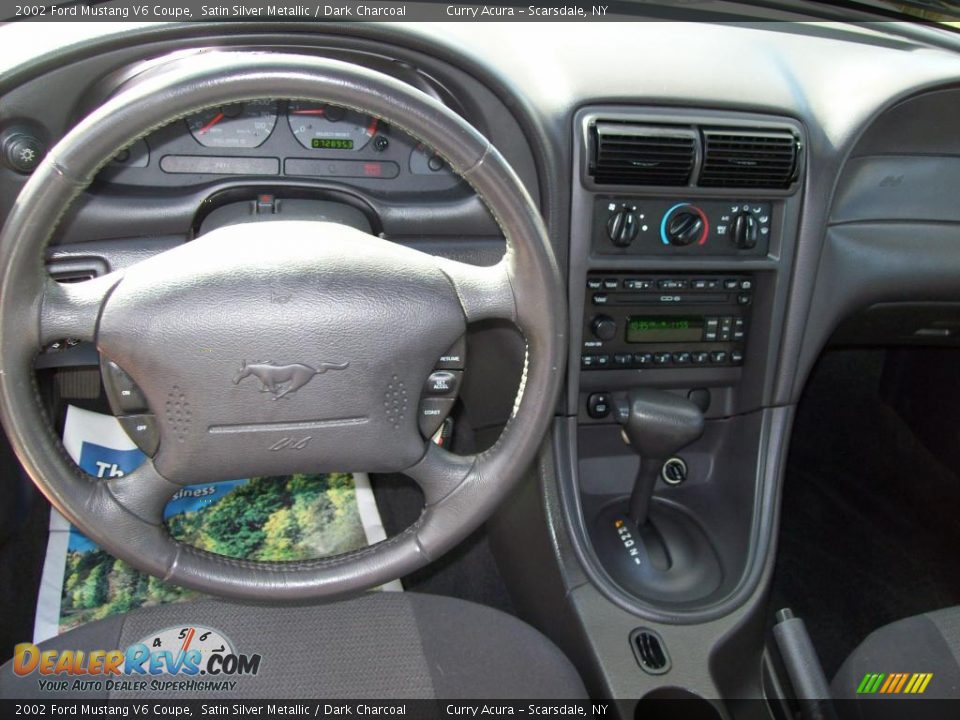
[629, 348]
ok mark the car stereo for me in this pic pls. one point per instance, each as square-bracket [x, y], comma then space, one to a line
[639, 321]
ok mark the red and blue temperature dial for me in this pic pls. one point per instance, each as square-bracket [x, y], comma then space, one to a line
[684, 224]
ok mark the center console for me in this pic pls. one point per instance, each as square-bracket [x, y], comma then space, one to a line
[682, 236]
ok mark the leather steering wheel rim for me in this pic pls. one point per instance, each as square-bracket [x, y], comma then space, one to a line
[121, 515]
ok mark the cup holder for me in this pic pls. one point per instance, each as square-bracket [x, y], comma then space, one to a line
[673, 702]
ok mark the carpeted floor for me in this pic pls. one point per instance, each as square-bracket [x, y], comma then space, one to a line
[869, 527]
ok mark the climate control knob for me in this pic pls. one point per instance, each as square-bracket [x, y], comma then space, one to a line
[622, 227]
[743, 231]
[604, 327]
[684, 227]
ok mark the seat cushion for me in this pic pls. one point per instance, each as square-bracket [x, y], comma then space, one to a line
[928, 643]
[382, 644]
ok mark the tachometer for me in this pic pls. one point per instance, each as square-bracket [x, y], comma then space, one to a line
[238, 125]
[329, 127]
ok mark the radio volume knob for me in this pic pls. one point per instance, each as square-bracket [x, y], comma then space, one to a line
[604, 327]
[622, 227]
[743, 231]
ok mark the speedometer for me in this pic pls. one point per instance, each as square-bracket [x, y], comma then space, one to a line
[238, 125]
[329, 127]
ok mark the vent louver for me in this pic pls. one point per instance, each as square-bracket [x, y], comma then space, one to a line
[650, 652]
[635, 154]
[749, 158]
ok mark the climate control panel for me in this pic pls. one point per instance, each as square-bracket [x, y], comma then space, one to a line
[656, 321]
[681, 227]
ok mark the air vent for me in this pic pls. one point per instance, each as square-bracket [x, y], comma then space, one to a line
[74, 270]
[750, 158]
[633, 154]
[650, 651]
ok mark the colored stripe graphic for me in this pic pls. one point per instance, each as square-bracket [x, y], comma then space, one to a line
[894, 683]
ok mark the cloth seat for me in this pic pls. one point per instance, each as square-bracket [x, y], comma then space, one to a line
[928, 643]
[379, 645]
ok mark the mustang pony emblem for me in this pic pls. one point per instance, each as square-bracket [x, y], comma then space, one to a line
[282, 380]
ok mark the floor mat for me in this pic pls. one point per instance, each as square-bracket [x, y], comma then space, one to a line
[868, 528]
[274, 518]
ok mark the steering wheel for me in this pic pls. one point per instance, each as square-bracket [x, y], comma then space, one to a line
[183, 324]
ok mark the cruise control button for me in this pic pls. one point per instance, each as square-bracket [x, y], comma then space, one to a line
[142, 429]
[455, 357]
[126, 395]
[433, 411]
[443, 382]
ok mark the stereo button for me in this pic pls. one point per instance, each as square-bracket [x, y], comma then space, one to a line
[718, 358]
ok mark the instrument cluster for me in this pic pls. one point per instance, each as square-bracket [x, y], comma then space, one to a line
[282, 138]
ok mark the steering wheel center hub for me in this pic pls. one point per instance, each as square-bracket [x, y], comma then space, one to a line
[274, 348]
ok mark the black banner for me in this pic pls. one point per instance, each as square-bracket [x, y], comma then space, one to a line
[431, 11]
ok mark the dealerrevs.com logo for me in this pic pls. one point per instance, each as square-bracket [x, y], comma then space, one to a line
[176, 659]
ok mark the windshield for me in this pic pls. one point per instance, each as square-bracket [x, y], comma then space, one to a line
[942, 12]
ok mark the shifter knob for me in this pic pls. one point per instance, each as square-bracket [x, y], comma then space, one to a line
[656, 424]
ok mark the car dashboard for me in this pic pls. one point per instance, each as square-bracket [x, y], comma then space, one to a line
[718, 216]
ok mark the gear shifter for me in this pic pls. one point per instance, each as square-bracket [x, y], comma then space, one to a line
[658, 552]
[656, 424]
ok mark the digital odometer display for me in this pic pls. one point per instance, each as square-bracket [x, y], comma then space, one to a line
[331, 144]
[664, 329]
